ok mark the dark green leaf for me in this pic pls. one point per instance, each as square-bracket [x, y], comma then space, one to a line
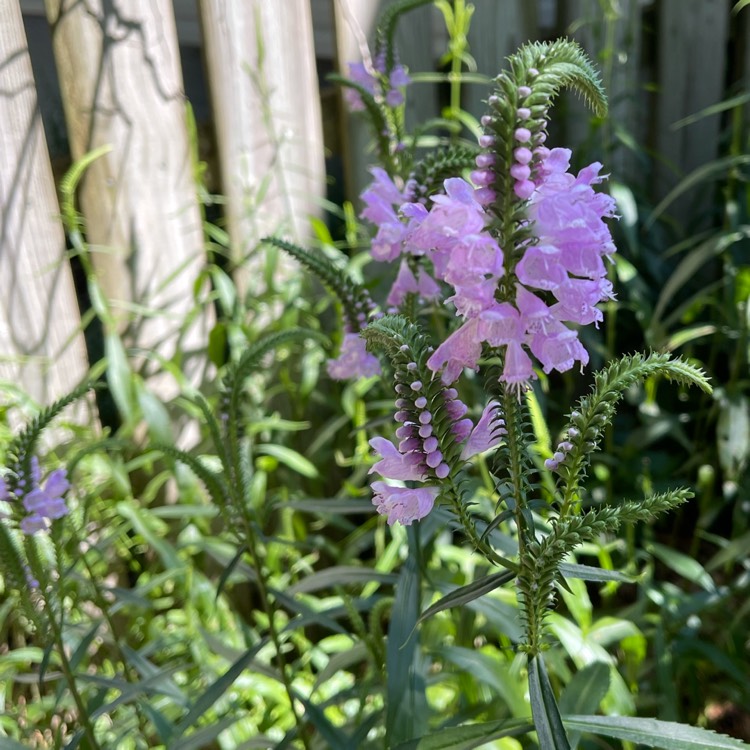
[591, 573]
[667, 735]
[544, 710]
[468, 736]
[465, 594]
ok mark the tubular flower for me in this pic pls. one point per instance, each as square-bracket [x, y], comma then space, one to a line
[41, 504]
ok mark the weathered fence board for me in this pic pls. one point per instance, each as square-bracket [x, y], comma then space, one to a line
[496, 31]
[688, 45]
[42, 350]
[264, 88]
[121, 85]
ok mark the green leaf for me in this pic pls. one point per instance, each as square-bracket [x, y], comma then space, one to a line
[405, 689]
[687, 567]
[584, 693]
[667, 735]
[205, 736]
[544, 710]
[597, 575]
[468, 736]
[334, 738]
[213, 692]
[295, 461]
[119, 376]
[465, 594]
[148, 526]
[339, 575]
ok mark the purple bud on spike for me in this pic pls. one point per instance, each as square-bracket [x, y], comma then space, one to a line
[421, 402]
[442, 471]
[523, 113]
[416, 385]
[485, 141]
[524, 91]
[425, 431]
[523, 135]
[430, 445]
[484, 196]
[434, 459]
[485, 160]
[425, 417]
[523, 155]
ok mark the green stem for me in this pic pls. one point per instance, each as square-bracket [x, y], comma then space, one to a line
[467, 523]
[67, 671]
[270, 611]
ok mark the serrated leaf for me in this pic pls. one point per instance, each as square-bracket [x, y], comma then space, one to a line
[544, 710]
[667, 735]
[465, 594]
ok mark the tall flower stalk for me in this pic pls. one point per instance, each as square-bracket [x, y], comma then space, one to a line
[519, 253]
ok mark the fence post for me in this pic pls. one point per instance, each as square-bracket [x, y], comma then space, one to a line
[266, 101]
[121, 85]
[692, 47]
[41, 344]
[496, 31]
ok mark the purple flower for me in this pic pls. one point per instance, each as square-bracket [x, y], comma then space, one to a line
[403, 504]
[490, 428]
[453, 216]
[394, 464]
[47, 503]
[423, 285]
[381, 199]
[354, 361]
[359, 74]
[461, 349]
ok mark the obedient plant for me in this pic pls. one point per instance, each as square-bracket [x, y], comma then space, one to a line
[498, 256]
[515, 246]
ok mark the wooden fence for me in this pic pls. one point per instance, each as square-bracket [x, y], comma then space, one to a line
[119, 68]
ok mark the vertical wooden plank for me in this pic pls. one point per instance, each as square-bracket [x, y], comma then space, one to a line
[266, 101]
[610, 34]
[692, 47]
[497, 30]
[42, 350]
[121, 84]
[355, 23]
